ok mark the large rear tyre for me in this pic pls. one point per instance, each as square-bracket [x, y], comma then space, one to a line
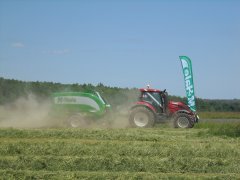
[141, 117]
[77, 120]
[182, 120]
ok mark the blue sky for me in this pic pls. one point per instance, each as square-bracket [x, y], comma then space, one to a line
[125, 43]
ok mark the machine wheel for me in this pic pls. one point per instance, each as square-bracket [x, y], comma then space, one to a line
[77, 120]
[141, 117]
[182, 120]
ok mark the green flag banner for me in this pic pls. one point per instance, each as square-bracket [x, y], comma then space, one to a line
[188, 78]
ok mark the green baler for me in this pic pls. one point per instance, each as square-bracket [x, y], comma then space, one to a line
[79, 108]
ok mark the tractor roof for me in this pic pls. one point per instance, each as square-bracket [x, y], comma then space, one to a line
[149, 90]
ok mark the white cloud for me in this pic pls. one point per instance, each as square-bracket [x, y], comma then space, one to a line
[18, 45]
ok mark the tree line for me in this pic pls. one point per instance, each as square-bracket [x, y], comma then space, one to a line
[11, 90]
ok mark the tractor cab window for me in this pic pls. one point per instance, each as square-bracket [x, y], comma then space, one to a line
[151, 97]
[145, 97]
[157, 96]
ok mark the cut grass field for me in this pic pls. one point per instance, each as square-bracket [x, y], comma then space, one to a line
[157, 153]
[219, 115]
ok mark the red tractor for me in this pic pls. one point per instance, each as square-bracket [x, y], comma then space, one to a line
[153, 107]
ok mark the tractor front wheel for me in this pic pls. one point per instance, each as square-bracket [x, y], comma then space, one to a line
[182, 120]
[141, 117]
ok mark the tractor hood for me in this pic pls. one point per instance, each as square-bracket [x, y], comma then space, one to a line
[175, 106]
[177, 103]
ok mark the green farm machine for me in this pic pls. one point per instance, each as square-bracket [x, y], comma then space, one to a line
[79, 109]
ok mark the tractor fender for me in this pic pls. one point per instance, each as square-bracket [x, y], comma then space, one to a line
[182, 111]
[146, 105]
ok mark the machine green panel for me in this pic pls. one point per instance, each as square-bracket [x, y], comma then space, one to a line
[81, 102]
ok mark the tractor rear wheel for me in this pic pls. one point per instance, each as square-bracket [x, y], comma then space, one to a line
[182, 120]
[141, 117]
[77, 120]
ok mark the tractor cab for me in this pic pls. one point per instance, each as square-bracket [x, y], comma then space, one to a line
[157, 99]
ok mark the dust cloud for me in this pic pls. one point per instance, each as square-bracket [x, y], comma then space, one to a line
[34, 112]
[25, 112]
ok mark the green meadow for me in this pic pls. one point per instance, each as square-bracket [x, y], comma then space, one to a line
[219, 115]
[208, 151]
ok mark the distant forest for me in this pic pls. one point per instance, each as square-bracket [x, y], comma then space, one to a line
[11, 90]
